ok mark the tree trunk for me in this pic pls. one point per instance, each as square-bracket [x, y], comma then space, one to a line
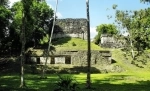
[22, 84]
[132, 51]
[89, 48]
[50, 39]
[131, 44]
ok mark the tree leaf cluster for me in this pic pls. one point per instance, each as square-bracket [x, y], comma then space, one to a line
[37, 17]
[105, 29]
[5, 15]
[137, 24]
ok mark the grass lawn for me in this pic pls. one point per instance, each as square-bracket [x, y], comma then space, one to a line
[73, 44]
[100, 82]
[133, 78]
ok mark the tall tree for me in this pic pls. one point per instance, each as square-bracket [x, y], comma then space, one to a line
[124, 19]
[38, 22]
[137, 25]
[42, 14]
[27, 4]
[31, 21]
[5, 16]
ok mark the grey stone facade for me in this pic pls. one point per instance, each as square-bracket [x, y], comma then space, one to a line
[70, 27]
[109, 41]
[75, 58]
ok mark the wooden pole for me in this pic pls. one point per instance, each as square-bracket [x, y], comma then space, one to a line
[89, 47]
[50, 39]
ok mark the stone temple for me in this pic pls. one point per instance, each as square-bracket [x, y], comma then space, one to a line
[70, 28]
[76, 28]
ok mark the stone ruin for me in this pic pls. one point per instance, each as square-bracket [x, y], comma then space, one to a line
[109, 41]
[74, 28]
[70, 27]
[74, 58]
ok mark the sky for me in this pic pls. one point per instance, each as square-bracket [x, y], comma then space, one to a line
[99, 10]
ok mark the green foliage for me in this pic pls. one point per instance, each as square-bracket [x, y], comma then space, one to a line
[114, 6]
[66, 83]
[45, 39]
[137, 25]
[105, 29]
[37, 15]
[4, 3]
[17, 17]
[145, 1]
[73, 44]
[5, 15]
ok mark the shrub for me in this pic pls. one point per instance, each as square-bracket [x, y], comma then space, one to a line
[66, 83]
[73, 44]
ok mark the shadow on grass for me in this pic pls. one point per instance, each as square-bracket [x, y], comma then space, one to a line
[83, 69]
[34, 83]
[8, 65]
[60, 41]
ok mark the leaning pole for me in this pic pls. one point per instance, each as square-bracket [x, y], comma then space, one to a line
[50, 39]
[89, 47]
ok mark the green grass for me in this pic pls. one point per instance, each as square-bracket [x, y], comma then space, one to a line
[73, 44]
[69, 44]
[133, 79]
[100, 82]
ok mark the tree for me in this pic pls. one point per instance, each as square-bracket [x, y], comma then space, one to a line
[4, 3]
[29, 22]
[141, 29]
[105, 29]
[42, 14]
[5, 17]
[38, 20]
[145, 1]
[124, 19]
[25, 19]
[137, 25]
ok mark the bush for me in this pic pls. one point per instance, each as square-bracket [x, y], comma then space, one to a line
[66, 83]
[73, 44]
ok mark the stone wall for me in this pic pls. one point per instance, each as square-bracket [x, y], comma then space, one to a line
[108, 41]
[71, 28]
[76, 58]
[79, 58]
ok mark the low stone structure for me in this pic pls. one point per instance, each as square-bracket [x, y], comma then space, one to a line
[75, 58]
[108, 41]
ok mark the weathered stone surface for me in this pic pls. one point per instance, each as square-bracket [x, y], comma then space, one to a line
[71, 28]
[108, 41]
[77, 58]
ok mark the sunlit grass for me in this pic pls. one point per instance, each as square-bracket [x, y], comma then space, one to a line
[107, 82]
[73, 44]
